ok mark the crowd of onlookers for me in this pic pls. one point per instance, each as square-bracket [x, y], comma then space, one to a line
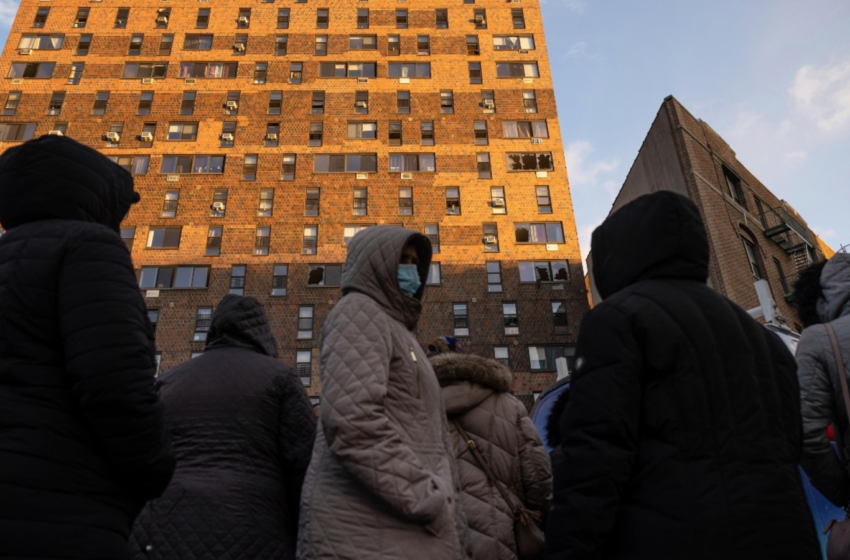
[680, 436]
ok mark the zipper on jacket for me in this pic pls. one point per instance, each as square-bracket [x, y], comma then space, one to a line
[416, 372]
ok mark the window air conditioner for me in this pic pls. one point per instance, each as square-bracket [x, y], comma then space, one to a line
[227, 137]
[479, 19]
[243, 20]
[239, 47]
[523, 51]
[147, 80]
[407, 176]
[113, 136]
[536, 140]
[147, 137]
[190, 80]
[231, 105]
[56, 133]
[162, 20]
[218, 206]
[489, 104]
[490, 240]
[499, 202]
[265, 206]
[25, 51]
[271, 137]
[362, 80]
[360, 104]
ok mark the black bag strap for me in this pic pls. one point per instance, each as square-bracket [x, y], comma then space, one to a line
[842, 377]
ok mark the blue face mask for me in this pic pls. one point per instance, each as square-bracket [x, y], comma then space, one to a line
[408, 279]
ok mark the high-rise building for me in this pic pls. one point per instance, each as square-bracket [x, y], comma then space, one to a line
[264, 134]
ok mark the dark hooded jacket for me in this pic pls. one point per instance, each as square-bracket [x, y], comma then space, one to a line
[681, 437]
[82, 438]
[242, 428]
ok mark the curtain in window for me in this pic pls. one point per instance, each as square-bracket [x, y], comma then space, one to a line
[539, 129]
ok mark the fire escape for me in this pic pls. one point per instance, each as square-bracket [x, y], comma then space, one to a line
[784, 230]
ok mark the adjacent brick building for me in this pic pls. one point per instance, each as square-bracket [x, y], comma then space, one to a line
[752, 234]
[262, 134]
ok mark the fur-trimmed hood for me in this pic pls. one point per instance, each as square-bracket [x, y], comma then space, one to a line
[467, 380]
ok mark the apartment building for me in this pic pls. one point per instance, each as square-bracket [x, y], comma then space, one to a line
[264, 134]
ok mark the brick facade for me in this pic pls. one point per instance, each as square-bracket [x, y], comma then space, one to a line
[462, 256]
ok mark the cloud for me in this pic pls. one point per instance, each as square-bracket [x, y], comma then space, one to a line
[8, 9]
[823, 93]
[583, 169]
[576, 6]
[579, 50]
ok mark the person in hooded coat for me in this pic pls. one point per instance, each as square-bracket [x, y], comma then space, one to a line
[682, 433]
[822, 295]
[83, 444]
[476, 393]
[243, 429]
[381, 482]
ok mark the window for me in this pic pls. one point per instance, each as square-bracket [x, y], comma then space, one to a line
[405, 201]
[548, 232]
[288, 168]
[500, 354]
[84, 45]
[228, 134]
[394, 129]
[311, 240]
[272, 134]
[243, 20]
[432, 232]
[303, 366]
[12, 101]
[362, 42]
[153, 317]
[203, 19]
[403, 101]
[734, 185]
[322, 18]
[401, 19]
[461, 320]
[434, 275]
[41, 42]
[442, 19]
[214, 241]
[453, 201]
[211, 70]
[543, 271]
[37, 70]
[475, 73]
[41, 17]
[187, 106]
[111, 139]
[20, 132]
[121, 18]
[393, 45]
[136, 165]
[494, 280]
[316, 133]
[750, 249]
[165, 44]
[447, 103]
[543, 357]
[345, 163]
[192, 164]
[782, 280]
[480, 19]
[311, 201]
[517, 70]
[265, 207]
[363, 18]
[497, 200]
[530, 161]
[318, 103]
[169, 205]
[350, 231]
[363, 130]
[321, 45]
[101, 99]
[133, 70]
[295, 72]
[283, 18]
[196, 42]
[513, 43]
[275, 101]
[559, 315]
[544, 203]
[162, 16]
[510, 319]
[483, 164]
[231, 103]
[490, 238]
[305, 322]
[347, 70]
[518, 19]
[409, 70]
[525, 129]
[279, 279]
[145, 103]
[423, 45]
[426, 131]
[479, 131]
[57, 99]
[361, 102]
[361, 202]
[472, 47]
[203, 321]
[262, 241]
[164, 237]
[529, 101]
[182, 131]
[249, 167]
[218, 208]
[174, 277]
[127, 235]
[261, 70]
[82, 18]
[412, 162]
[237, 279]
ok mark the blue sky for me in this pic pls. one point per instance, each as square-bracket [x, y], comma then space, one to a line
[771, 76]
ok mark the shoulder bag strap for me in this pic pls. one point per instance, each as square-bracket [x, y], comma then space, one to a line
[842, 377]
[470, 443]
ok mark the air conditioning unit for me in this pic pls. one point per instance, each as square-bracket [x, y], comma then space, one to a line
[113, 136]
[523, 51]
[227, 137]
[218, 206]
[242, 20]
[147, 80]
[361, 176]
[490, 240]
[407, 176]
[499, 202]
[271, 137]
[528, 80]
[190, 81]
[172, 178]
[56, 133]
[516, 1]
[161, 10]
[265, 206]
[536, 140]
[489, 104]
[147, 137]
[25, 51]
[239, 47]
[16, 81]
[360, 104]
[479, 19]
[231, 105]
[162, 20]
[362, 80]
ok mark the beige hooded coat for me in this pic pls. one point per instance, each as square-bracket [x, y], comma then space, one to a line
[475, 393]
[381, 482]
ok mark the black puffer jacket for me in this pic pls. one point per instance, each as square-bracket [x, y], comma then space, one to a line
[82, 439]
[243, 430]
[682, 433]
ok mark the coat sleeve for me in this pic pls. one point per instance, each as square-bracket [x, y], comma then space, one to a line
[535, 468]
[599, 440]
[108, 347]
[819, 459]
[355, 361]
